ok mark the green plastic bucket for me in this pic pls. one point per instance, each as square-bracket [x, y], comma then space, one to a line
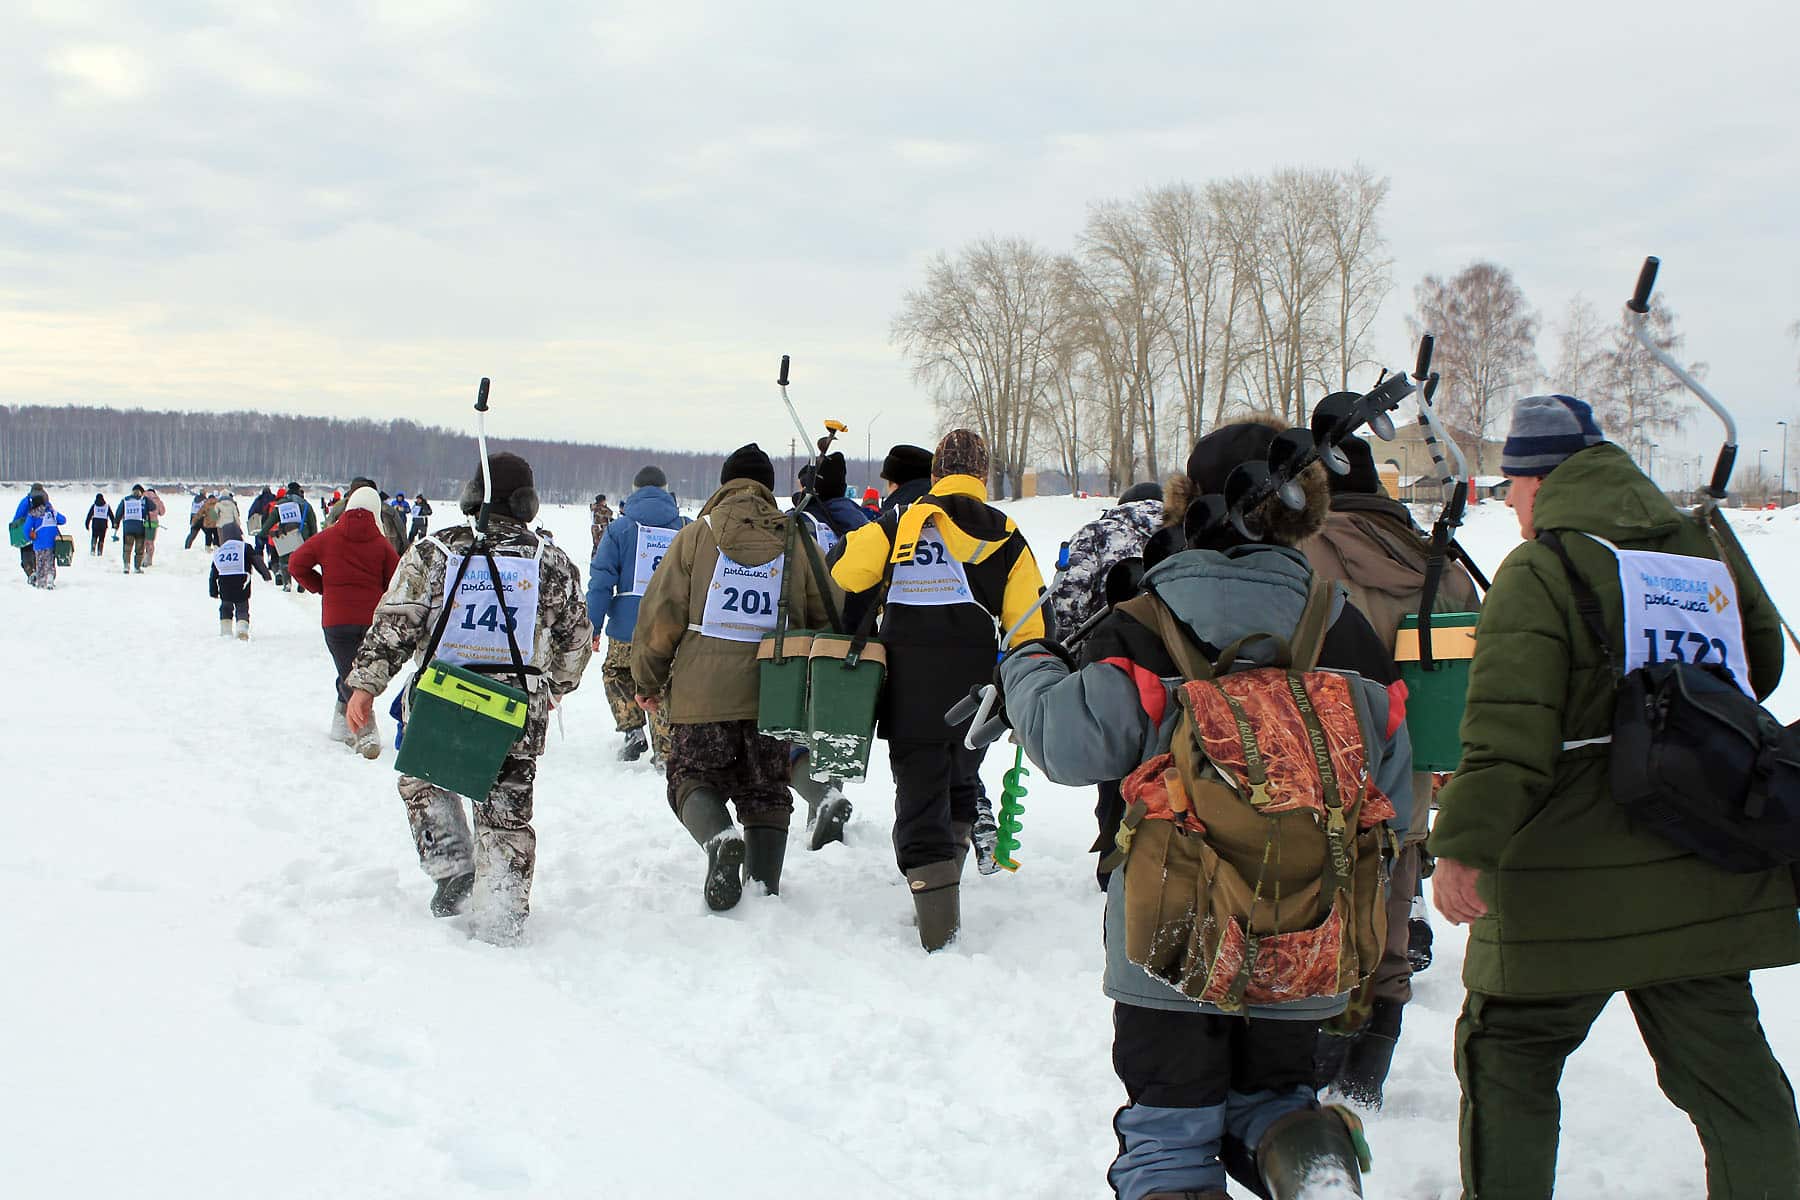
[460, 729]
[840, 705]
[1435, 698]
[781, 684]
[65, 551]
[15, 533]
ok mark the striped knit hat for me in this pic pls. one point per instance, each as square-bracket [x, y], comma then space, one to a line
[1545, 431]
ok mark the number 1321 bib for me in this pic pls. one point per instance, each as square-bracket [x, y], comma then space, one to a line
[1682, 609]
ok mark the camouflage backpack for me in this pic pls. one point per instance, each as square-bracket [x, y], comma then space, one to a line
[1256, 845]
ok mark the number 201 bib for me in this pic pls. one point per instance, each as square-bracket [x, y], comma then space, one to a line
[480, 618]
[1682, 609]
[741, 601]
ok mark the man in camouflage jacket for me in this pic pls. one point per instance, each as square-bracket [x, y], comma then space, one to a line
[1118, 534]
[496, 865]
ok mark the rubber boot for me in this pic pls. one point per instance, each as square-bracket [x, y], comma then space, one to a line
[937, 901]
[636, 742]
[1311, 1148]
[808, 789]
[340, 726]
[704, 815]
[833, 815]
[243, 631]
[452, 893]
[960, 834]
[224, 627]
[1364, 1073]
[764, 849]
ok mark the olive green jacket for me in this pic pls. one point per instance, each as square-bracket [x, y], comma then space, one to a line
[1578, 900]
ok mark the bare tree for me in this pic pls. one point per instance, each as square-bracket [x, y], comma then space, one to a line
[1186, 234]
[1640, 400]
[1486, 345]
[1359, 261]
[1581, 349]
[1129, 283]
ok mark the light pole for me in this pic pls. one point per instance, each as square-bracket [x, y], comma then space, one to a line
[1783, 501]
[1762, 473]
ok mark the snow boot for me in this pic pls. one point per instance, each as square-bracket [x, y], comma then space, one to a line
[704, 815]
[452, 893]
[635, 745]
[243, 631]
[828, 823]
[986, 835]
[937, 901]
[368, 742]
[764, 850]
[1365, 1069]
[1418, 944]
[224, 628]
[340, 726]
[1312, 1149]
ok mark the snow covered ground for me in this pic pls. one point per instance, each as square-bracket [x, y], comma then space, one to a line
[218, 978]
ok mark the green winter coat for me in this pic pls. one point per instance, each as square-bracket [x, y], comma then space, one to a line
[1579, 901]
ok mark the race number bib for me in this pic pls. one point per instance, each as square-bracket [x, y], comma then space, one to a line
[933, 578]
[740, 601]
[288, 513]
[132, 510]
[652, 545]
[229, 559]
[823, 534]
[1681, 609]
[480, 617]
[100, 513]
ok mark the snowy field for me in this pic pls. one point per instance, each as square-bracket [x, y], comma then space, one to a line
[218, 977]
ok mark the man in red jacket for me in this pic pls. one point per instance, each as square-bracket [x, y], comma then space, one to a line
[358, 562]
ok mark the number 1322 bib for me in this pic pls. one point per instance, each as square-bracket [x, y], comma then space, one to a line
[1682, 609]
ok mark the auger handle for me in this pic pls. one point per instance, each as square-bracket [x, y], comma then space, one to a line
[1422, 371]
[481, 395]
[781, 380]
[1431, 386]
[1721, 479]
[1640, 299]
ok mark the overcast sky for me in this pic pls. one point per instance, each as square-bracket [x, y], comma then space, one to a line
[626, 218]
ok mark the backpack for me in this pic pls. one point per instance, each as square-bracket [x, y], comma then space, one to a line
[1258, 844]
[1694, 758]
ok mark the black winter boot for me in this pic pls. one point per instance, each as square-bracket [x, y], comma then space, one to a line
[937, 901]
[1365, 1070]
[636, 742]
[1310, 1148]
[708, 822]
[833, 815]
[452, 893]
[764, 848]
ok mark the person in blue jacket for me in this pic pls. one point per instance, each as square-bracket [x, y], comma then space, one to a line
[27, 556]
[627, 555]
[43, 525]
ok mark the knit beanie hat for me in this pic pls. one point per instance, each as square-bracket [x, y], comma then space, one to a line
[831, 480]
[905, 463]
[364, 498]
[515, 490]
[962, 452]
[650, 477]
[1545, 431]
[748, 462]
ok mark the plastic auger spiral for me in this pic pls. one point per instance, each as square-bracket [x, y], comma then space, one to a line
[1012, 788]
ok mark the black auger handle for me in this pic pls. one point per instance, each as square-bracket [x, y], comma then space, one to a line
[1431, 386]
[481, 394]
[782, 379]
[1722, 469]
[1423, 369]
[1640, 299]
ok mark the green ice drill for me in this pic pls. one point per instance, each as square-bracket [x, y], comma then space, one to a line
[1011, 789]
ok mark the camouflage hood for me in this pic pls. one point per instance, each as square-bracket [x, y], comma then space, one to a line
[747, 522]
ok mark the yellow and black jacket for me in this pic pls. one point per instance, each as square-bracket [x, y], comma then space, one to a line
[937, 652]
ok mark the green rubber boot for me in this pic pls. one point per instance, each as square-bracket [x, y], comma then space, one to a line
[1311, 1148]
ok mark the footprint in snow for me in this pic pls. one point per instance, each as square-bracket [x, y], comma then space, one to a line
[372, 1098]
[484, 1164]
[266, 931]
[266, 1006]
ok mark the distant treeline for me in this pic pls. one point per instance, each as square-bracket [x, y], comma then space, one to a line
[53, 444]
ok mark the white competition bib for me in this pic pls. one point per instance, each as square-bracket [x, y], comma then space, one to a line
[823, 534]
[1682, 609]
[741, 601]
[132, 510]
[933, 578]
[100, 513]
[652, 544]
[229, 559]
[476, 633]
[288, 513]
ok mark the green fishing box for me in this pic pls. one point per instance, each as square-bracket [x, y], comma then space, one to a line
[1436, 697]
[812, 693]
[460, 729]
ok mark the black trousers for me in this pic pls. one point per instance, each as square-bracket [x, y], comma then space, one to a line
[234, 598]
[1195, 1059]
[344, 641]
[935, 786]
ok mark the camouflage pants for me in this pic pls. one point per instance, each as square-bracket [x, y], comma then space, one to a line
[43, 569]
[134, 551]
[503, 851]
[748, 769]
[621, 696]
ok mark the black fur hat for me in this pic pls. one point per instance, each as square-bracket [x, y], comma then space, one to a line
[515, 491]
[1215, 456]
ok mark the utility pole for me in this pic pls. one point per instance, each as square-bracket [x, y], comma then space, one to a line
[1783, 501]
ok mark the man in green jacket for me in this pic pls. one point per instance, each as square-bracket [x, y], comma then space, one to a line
[1568, 903]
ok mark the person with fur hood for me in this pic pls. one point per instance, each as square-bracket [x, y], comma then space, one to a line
[492, 871]
[358, 562]
[1209, 1090]
[709, 604]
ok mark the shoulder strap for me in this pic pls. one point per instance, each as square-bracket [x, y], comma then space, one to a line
[1315, 621]
[1150, 611]
[506, 622]
[1587, 604]
[816, 561]
[866, 627]
[450, 589]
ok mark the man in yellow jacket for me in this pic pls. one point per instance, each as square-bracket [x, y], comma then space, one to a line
[950, 573]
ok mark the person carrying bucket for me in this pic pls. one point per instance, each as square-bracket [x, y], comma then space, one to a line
[618, 576]
[541, 616]
[720, 588]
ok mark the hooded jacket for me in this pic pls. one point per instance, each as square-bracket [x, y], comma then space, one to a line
[1101, 722]
[1578, 900]
[936, 653]
[393, 523]
[43, 528]
[612, 576]
[712, 679]
[1119, 533]
[358, 563]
